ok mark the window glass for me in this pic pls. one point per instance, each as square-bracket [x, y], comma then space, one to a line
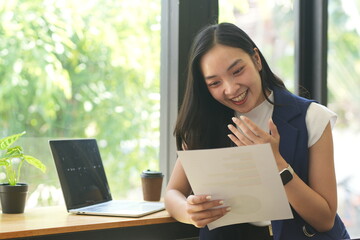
[271, 25]
[82, 69]
[344, 99]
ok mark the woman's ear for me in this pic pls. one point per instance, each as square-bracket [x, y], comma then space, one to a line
[257, 59]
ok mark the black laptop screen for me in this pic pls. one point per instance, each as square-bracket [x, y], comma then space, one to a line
[81, 172]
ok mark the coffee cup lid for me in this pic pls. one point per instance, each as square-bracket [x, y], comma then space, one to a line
[149, 174]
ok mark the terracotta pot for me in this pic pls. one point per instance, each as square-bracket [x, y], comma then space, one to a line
[13, 198]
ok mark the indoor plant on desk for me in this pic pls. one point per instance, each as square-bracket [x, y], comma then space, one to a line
[12, 193]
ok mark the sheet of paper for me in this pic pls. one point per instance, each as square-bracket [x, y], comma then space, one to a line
[246, 178]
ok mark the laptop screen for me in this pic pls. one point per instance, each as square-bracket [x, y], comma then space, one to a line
[81, 172]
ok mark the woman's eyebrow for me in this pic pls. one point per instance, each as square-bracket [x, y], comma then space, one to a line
[210, 77]
[234, 63]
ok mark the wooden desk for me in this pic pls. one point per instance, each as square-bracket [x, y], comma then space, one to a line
[56, 223]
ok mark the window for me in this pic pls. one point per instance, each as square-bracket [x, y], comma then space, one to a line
[82, 69]
[344, 99]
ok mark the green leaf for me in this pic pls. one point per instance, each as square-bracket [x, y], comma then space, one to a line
[11, 175]
[35, 162]
[4, 162]
[15, 152]
[7, 141]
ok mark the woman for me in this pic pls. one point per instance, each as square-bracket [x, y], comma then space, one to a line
[232, 98]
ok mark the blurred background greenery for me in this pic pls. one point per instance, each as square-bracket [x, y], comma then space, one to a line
[76, 69]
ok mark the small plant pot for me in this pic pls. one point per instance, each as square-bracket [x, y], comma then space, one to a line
[13, 198]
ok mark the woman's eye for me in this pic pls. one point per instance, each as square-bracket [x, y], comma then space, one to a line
[212, 84]
[238, 71]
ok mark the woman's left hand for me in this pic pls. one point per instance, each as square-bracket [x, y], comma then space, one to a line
[250, 134]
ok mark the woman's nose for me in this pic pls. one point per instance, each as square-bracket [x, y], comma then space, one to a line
[229, 87]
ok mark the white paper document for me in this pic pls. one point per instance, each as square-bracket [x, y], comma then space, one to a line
[245, 177]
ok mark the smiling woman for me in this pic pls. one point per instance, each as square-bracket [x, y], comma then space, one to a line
[232, 77]
[298, 130]
[76, 69]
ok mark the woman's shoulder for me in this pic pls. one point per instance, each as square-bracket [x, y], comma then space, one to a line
[317, 112]
[317, 118]
[285, 96]
[288, 105]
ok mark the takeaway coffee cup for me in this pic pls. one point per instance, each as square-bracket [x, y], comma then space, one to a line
[151, 185]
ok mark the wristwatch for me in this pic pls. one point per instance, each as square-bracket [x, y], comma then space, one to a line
[287, 174]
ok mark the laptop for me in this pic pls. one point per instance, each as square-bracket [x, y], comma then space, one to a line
[84, 184]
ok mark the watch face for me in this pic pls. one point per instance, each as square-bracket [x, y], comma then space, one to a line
[286, 176]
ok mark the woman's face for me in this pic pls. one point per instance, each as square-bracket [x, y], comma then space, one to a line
[232, 77]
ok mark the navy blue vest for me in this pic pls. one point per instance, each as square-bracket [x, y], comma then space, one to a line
[289, 117]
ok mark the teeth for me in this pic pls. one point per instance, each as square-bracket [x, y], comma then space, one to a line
[240, 98]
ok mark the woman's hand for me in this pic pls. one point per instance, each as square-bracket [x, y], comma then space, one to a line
[250, 134]
[201, 210]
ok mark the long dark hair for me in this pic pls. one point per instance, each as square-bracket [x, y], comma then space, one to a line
[202, 120]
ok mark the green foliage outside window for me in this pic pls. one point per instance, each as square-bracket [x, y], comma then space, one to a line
[344, 62]
[76, 69]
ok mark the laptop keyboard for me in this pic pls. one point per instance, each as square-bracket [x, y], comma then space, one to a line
[114, 206]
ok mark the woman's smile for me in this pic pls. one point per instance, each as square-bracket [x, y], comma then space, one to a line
[241, 99]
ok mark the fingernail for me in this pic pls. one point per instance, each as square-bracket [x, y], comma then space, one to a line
[228, 209]
[234, 119]
[221, 202]
[208, 197]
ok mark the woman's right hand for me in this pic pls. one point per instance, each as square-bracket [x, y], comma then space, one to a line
[202, 210]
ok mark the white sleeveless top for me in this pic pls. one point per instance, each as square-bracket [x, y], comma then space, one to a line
[317, 118]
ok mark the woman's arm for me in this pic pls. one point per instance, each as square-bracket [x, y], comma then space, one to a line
[186, 208]
[316, 203]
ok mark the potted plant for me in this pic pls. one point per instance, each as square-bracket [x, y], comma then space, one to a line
[12, 193]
